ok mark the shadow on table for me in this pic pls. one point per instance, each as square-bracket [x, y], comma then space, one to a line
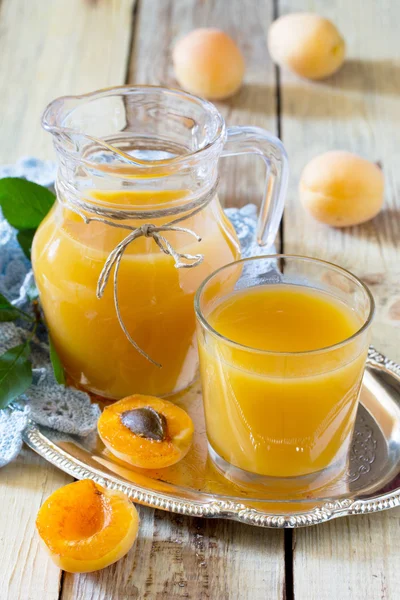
[325, 98]
[375, 226]
[301, 100]
[363, 75]
[314, 99]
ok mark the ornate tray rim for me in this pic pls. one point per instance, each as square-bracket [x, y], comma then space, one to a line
[225, 509]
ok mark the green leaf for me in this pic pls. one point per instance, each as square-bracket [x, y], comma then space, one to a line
[15, 374]
[24, 203]
[7, 311]
[25, 238]
[58, 369]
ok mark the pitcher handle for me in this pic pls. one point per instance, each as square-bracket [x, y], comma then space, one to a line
[254, 140]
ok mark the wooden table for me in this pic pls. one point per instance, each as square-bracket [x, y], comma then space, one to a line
[54, 47]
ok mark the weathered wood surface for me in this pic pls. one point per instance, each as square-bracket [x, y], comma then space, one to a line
[190, 558]
[47, 48]
[174, 557]
[199, 559]
[160, 23]
[26, 571]
[56, 47]
[51, 48]
[357, 110]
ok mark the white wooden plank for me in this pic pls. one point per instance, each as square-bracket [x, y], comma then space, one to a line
[178, 557]
[358, 110]
[27, 573]
[242, 178]
[50, 48]
[47, 49]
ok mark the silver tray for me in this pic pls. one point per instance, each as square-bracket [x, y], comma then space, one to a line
[194, 487]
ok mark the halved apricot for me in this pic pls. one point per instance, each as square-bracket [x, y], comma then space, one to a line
[86, 527]
[146, 432]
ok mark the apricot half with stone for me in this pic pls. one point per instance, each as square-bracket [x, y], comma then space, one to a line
[146, 431]
[86, 527]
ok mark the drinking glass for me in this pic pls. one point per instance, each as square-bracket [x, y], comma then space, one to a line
[281, 416]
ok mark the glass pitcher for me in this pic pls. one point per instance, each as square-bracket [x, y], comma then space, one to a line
[136, 228]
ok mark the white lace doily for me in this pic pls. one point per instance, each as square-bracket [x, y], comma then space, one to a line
[61, 408]
[12, 424]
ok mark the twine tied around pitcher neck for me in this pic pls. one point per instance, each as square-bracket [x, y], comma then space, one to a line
[90, 212]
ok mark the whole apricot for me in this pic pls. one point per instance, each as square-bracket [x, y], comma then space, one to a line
[208, 63]
[86, 527]
[307, 44]
[341, 189]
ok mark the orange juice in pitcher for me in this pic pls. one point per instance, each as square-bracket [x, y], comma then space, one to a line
[136, 229]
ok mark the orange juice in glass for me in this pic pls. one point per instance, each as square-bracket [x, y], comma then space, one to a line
[283, 343]
[136, 228]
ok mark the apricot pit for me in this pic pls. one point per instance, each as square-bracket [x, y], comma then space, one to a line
[146, 422]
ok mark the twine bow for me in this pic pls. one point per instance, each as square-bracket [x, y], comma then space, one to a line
[114, 260]
[182, 260]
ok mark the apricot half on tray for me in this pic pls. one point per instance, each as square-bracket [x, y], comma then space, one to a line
[146, 432]
[86, 527]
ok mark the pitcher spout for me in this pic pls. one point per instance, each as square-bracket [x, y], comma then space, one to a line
[142, 127]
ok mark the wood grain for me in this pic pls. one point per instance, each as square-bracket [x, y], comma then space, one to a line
[56, 47]
[50, 48]
[356, 110]
[27, 572]
[355, 558]
[160, 23]
[176, 557]
[47, 49]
